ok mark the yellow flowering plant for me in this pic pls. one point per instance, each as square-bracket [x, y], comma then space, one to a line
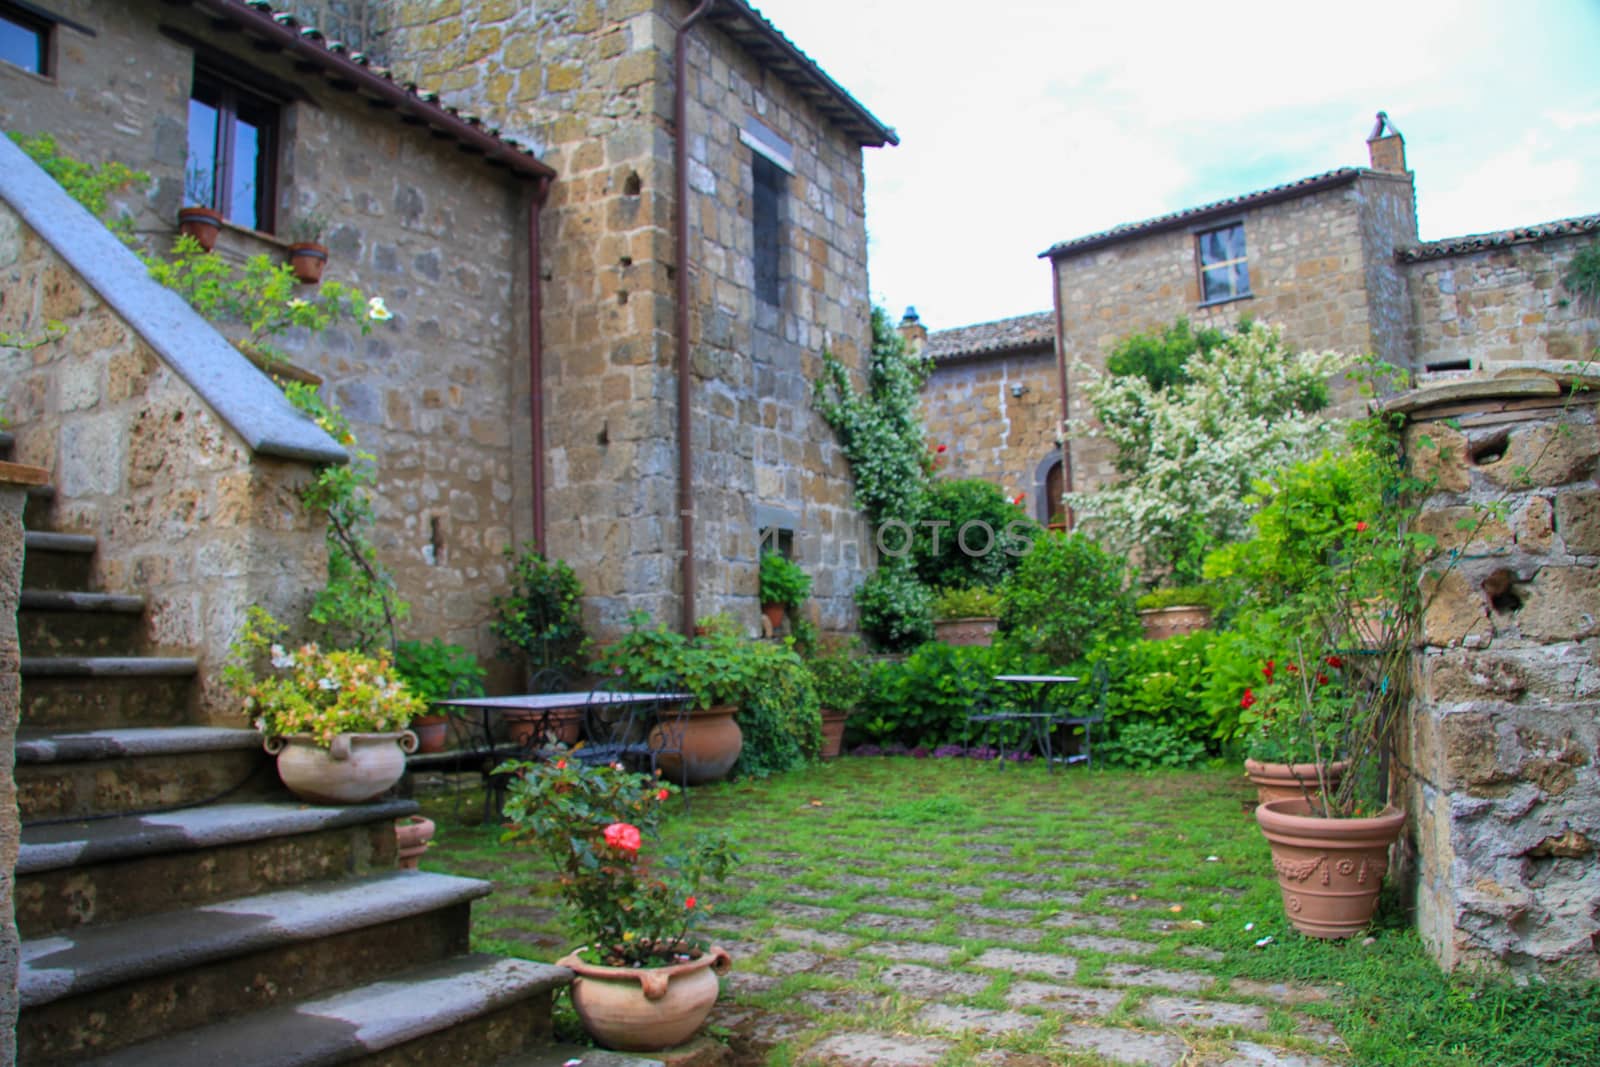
[305, 690]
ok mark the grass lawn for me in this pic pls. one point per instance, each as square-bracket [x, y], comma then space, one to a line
[979, 914]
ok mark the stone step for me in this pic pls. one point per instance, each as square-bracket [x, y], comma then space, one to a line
[58, 622]
[36, 509]
[468, 1011]
[116, 984]
[88, 692]
[57, 560]
[109, 870]
[78, 774]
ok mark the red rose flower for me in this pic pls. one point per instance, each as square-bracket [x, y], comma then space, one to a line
[1268, 669]
[1361, 527]
[623, 837]
[1247, 700]
[689, 903]
[664, 794]
[1335, 662]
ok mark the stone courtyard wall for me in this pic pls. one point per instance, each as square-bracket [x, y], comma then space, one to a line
[439, 394]
[1505, 798]
[1503, 303]
[185, 515]
[990, 434]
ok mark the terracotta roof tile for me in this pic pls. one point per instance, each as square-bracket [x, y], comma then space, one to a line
[1477, 242]
[990, 338]
[1189, 215]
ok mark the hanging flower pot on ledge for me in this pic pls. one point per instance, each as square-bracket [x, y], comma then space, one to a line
[201, 223]
[306, 259]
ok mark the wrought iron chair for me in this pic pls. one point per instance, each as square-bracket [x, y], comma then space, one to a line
[537, 742]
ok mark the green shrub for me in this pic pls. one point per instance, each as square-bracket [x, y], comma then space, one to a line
[1143, 746]
[542, 618]
[975, 513]
[782, 581]
[925, 699]
[1160, 683]
[436, 670]
[1160, 358]
[894, 607]
[1067, 597]
[977, 602]
[841, 673]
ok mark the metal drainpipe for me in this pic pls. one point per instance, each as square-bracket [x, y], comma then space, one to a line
[680, 162]
[1061, 370]
[536, 201]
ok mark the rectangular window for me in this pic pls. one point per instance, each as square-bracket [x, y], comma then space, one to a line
[1224, 274]
[24, 39]
[232, 147]
[769, 183]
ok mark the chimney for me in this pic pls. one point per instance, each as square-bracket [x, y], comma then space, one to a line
[1386, 147]
[912, 331]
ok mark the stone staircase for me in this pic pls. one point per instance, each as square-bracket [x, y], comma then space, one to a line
[177, 907]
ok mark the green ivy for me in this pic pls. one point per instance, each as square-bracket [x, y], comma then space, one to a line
[894, 607]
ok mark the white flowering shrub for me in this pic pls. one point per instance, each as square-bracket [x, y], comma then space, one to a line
[1189, 453]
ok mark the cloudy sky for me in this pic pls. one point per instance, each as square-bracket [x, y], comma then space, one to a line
[1023, 123]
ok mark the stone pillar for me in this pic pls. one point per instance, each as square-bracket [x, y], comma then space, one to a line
[1506, 718]
[14, 482]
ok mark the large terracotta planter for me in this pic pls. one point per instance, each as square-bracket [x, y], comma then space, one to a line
[412, 834]
[1329, 870]
[712, 742]
[1162, 623]
[973, 630]
[833, 732]
[356, 768]
[649, 1008]
[1283, 781]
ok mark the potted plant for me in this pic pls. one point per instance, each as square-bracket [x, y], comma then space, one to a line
[434, 672]
[541, 619]
[644, 980]
[784, 587]
[196, 217]
[840, 672]
[307, 254]
[336, 720]
[1176, 610]
[1280, 759]
[966, 616]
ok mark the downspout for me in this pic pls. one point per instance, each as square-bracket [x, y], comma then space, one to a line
[536, 199]
[1061, 370]
[680, 224]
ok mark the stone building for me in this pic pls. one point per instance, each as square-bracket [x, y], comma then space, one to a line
[1333, 260]
[537, 380]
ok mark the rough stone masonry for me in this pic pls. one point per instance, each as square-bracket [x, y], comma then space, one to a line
[1505, 797]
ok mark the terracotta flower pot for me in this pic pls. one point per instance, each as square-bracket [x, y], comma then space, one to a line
[1162, 623]
[973, 630]
[432, 732]
[413, 834]
[712, 742]
[201, 223]
[833, 732]
[356, 768]
[774, 614]
[1329, 870]
[565, 723]
[307, 259]
[648, 1008]
[1283, 781]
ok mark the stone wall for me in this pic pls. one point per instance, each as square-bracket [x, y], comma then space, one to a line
[438, 395]
[1502, 303]
[1506, 724]
[968, 405]
[13, 495]
[184, 514]
[1315, 272]
[590, 86]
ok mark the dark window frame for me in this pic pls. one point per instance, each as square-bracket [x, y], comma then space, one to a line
[229, 97]
[31, 20]
[1203, 268]
[769, 185]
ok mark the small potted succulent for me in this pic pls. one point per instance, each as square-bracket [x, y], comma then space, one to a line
[336, 720]
[784, 587]
[966, 616]
[644, 980]
[307, 254]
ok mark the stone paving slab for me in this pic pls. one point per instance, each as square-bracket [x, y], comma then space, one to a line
[813, 938]
[895, 924]
[1042, 896]
[898, 903]
[875, 1050]
[805, 892]
[1125, 1046]
[804, 912]
[1283, 992]
[1250, 1054]
[1133, 974]
[910, 951]
[747, 982]
[1005, 959]
[791, 962]
[1205, 1014]
[927, 983]
[1004, 915]
[1111, 946]
[1200, 952]
[863, 881]
[1066, 999]
[961, 1019]
[1103, 923]
[1017, 935]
